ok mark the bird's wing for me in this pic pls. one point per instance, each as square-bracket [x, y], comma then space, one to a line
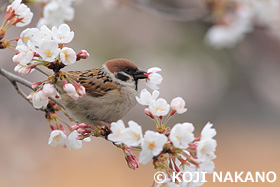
[95, 82]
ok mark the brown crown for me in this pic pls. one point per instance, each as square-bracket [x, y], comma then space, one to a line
[119, 64]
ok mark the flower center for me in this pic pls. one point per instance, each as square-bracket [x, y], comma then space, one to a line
[25, 39]
[159, 108]
[67, 55]
[57, 137]
[151, 145]
[61, 36]
[24, 53]
[44, 35]
[135, 135]
[203, 150]
[48, 52]
[118, 133]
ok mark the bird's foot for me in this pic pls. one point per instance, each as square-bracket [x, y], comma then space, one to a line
[102, 123]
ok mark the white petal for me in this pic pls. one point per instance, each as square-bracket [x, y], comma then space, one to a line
[145, 156]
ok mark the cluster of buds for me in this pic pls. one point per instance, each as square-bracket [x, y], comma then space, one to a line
[40, 98]
[74, 90]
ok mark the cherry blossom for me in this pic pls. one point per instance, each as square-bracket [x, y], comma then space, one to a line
[181, 135]
[178, 104]
[159, 107]
[154, 78]
[48, 50]
[146, 97]
[39, 100]
[62, 34]
[22, 15]
[116, 128]
[152, 145]
[57, 137]
[132, 136]
[45, 33]
[73, 141]
[67, 56]
[56, 12]
[49, 90]
[208, 132]
[29, 34]
[26, 54]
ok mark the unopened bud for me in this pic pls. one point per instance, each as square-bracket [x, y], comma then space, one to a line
[35, 84]
[132, 161]
[36, 54]
[10, 13]
[192, 146]
[148, 113]
[83, 54]
[29, 97]
[172, 112]
[32, 66]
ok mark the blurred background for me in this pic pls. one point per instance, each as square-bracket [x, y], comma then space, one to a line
[236, 89]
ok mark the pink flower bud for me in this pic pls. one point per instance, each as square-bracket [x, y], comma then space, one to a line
[82, 128]
[148, 113]
[54, 127]
[30, 96]
[35, 84]
[192, 146]
[22, 69]
[81, 91]
[83, 54]
[132, 161]
[49, 90]
[69, 88]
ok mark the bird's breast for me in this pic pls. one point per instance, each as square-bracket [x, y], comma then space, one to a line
[108, 108]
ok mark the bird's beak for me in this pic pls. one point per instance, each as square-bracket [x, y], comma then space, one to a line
[140, 74]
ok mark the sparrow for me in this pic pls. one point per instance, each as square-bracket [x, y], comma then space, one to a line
[110, 92]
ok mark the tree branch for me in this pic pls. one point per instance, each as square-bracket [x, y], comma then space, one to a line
[14, 79]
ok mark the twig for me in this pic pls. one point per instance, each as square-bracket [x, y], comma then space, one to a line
[43, 71]
[178, 14]
[14, 79]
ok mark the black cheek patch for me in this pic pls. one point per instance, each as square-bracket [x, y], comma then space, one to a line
[122, 77]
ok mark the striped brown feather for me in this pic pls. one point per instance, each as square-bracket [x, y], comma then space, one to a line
[95, 82]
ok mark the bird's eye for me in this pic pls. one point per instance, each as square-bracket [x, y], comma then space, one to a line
[127, 70]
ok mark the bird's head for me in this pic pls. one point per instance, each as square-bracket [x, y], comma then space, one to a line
[124, 72]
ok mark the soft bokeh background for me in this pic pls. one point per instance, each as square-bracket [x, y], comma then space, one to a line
[238, 90]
